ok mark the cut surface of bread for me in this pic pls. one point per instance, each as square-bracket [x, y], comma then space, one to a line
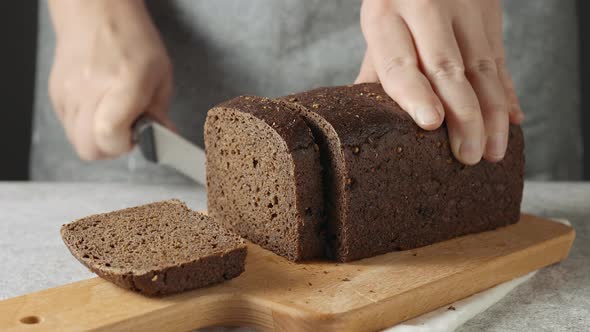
[391, 185]
[156, 249]
[264, 176]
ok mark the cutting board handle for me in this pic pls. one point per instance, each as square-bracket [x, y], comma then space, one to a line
[55, 310]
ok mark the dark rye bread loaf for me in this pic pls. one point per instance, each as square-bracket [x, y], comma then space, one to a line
[391, 185]
[156, 249]
[263, 175]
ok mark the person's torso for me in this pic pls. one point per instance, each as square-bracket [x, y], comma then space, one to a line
[225, 48]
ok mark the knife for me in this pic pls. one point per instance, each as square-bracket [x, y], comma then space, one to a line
[160, 145]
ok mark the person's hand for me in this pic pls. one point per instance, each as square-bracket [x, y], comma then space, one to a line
[444, 59]
[110, 66]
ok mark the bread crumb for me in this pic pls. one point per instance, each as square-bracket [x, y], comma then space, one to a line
[451, 308]
[348, 182]
[155, 277]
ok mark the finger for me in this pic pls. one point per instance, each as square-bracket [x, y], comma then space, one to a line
[69, 124]
[482, 73]
[76, 126]
[56, 97]
[367, 72]
[68, 119]
[85, 143]
[492, 19]
[75, 111]
[115, 115]
[515, 113]
[441, 60]
[394, 59]
[160, 105]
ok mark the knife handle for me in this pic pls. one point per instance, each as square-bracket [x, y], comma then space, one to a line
[143, 136]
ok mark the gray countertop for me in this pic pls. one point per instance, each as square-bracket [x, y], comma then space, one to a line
[33, 256]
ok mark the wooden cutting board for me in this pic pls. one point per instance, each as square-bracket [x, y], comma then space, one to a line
[275, 294]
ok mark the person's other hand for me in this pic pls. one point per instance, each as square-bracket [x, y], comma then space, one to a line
[444, 59]
[110, 66]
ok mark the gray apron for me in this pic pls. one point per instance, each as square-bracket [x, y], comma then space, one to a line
[224, 48]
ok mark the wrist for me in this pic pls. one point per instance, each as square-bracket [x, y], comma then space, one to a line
[70, 16]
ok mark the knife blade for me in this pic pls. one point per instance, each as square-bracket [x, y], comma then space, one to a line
[160, 145]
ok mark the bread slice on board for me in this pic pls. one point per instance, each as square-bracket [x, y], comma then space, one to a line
[391, 185]
[263, 175]
[156, 249]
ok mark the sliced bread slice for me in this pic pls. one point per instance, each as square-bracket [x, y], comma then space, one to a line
[156, 249]
[264, 175]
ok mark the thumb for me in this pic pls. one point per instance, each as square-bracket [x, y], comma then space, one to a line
[114, 118]
[367, 72]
